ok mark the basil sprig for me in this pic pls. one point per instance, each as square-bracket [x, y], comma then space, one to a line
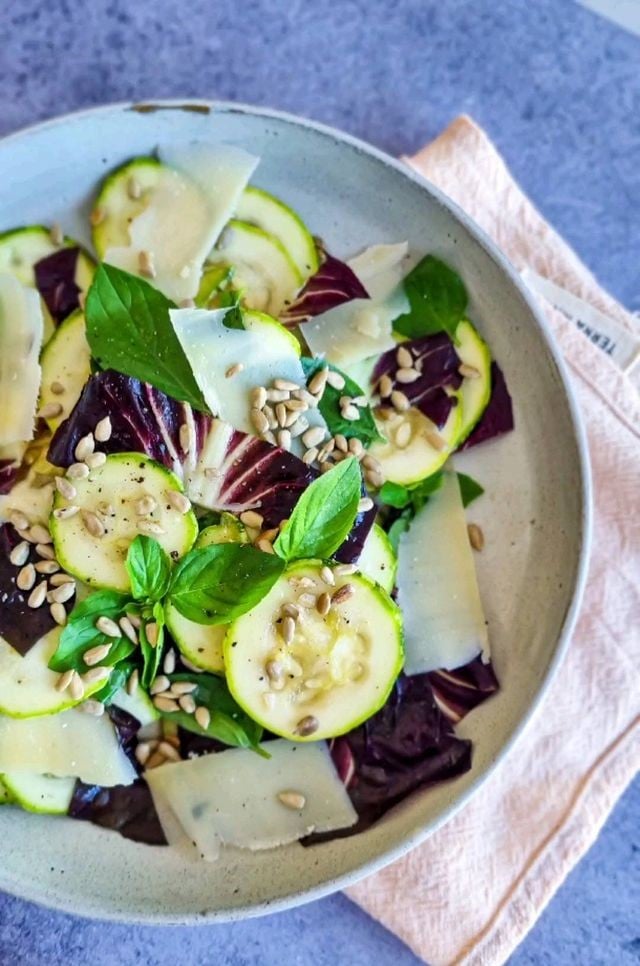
[81, 634]
[149, 568]
[324, 515]
[129, 329]
[437, 299]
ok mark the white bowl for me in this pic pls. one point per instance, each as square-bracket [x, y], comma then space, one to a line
[535, 513]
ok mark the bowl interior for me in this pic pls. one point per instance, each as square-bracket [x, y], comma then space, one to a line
[533, 513]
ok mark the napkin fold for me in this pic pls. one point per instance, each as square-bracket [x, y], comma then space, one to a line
[471, 892]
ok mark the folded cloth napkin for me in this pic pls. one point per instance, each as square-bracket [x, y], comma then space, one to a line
[471, 892]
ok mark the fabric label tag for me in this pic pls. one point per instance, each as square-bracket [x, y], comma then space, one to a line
[622, 346]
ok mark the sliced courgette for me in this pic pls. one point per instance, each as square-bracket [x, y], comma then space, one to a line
[264, 272]
[40, 793]
[201, 644]
[110, 495]
[408, 456]
[138, 704]
[258, 207]
[5, 795]
[335, 672]
[123, 195]
[66, 366]
[378, 561]
[475, 390]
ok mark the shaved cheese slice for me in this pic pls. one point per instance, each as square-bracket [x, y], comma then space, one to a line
[362, 328]
[187, 211]
[66, 745]
[21, 328]
[256, 356]
[232, 797]
[444, 623]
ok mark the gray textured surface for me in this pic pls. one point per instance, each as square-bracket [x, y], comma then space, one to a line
[559, 91]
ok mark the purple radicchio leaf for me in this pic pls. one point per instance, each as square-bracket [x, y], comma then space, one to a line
[498, 416]
[9, 470]
[20, 625]
[407, 745]
[438, 362]
[333, 284]
[459, 692]
[127, 809]
[143, 420]
[56, 281]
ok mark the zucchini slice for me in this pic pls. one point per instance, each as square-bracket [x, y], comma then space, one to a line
[110, 495]
[475, 391]
[337, 670]
[201, 644]
[424, 449]
[5, 795]
[115, 208]
[21, 248]
[40, 793]
[378, 561]
[66, 366]
[258, 207]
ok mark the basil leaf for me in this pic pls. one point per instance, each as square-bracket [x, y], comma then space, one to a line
[395, 495]
[437, 299]
[470, 489]
[149, 568]
[324, 515]
[151, 655]
[80, 633]
[365, 427]
[216, 584]
[129, 329]
[399, 526]
[229, 723]
[409, 500]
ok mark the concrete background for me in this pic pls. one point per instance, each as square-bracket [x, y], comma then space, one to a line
[558, 89]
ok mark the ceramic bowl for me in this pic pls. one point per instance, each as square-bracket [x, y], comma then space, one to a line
[535, 513]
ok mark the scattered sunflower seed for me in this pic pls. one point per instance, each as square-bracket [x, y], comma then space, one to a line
[407, 376]
[96, 674]
[160, 684]
[66, 512]
[64, 680]
[293, 800]
[58, 580]
[183, 687]
[258, 397]
[47, 566]
[187, 703]
[307, 726]
[343, 594]
[58, 613]
[150, 528]
[84, 447]
[185, 435]
[251, 518]
[290, 610]
[133, 682]
[145, 505]
[403, 435]
[288, 629]
[169, 663]
[76, 687]
[106, 626]
[355, 447]
[434, 439]
[259, 421]
[170, 753]
[65, 488]
[286, 384]
[61, 594]
[179, 501]
[277, 395]
[152, 632]
[203, 717]
[38, 595]
[335, 379]
[96, 654]
[310, 456]
[399, 401]
[128, 629]
[264, 545]
[319, 381]
[165, 704]
[275, 670]
[90, 706]
[476, 536]
[307, 600]
[20, 554]
[327, 575]
[95, 460]
[56, 234]
[234, 370]
[93, 523]
[344, 570]
[103, 430]
[323, 604]
[39, 534]
[351, 413]
[18, 519]
[143, 752]
[469, 371]
[77, 471]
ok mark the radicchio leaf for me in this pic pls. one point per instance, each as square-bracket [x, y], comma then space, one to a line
[20, 625]
[459, 692]
[56, 281]
[407, 745]
[143, 419]
[333, 284]
[438, 362]
[498, 416]
[9, 470]
[127, 809]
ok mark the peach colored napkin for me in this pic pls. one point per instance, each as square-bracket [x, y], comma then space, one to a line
[472, 891]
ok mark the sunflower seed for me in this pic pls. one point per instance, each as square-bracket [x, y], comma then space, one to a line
[399, 401]
[150, 528]
[90, 706]
[96, 654]
[351, 413]
[20, 554]
[335, 380]
[154, 761]
[277, 395]
[476, 536]
[258, 397]
[47, 566]
[264, 545]
[404, 358]
[56, 234]
[233, 370]
[290, 610]
[145, 264]
[403, 435]
[187, 703]
[39, 534]
[103, 430]
[38, 595]
[307, 600]
[306, 397]
[18, 519]
[371, 463]
[84, 447]
[169, 663]
[64, 680]
[93, 523]
[310, 456]
[152, 633]
[185, 435]
[76, 687]
[211, 473]
[95, 460]
[299, 427]
[323, 604]
[344, 570]
[165, 704]
[106, 626]
[65, 488]
[288, 630]
[313, 436]
[78, 471]
[284, 439]
[259, 421]
[160, 684]
[327, 575]
[285, 384]
[374, 479]
[251, 518]
[343, 594]
[178, 501]
[133, 682]
[296, 405]
[203, 717]
[135, 620]
[307, 726]
[63, 580]
[46, 552]
[407, 376]
[268, 437]
[355, 447]
[319, 381]
[293, 800]
[66, 512]
[469, 371]
[274, 670]
[145, 505]
[143, 752]
[96, 674]
[183, 687]
[170, 753]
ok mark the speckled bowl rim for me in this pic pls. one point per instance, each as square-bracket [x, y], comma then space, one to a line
[420, 834]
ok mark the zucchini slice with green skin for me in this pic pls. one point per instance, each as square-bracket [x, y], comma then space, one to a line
[66, 366]
[123, 195]
[475, 391]
[21, 248]
[28, 686]
[378, 561]
[337, 670]
[110, 496]
[264, 272]
[201, 644]
[5, 795]
[39, 793]
[409, 456]
[258, 207]
[138, 704]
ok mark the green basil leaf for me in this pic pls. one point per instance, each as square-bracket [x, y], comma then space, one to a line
[324, 515]
[399, 526]
[470, 489]
[80, 633]
[149, 568]
[420, 493]
[365, 427]
[216, 584]
[129, 329]
[437, 299]
[409, 500]
[229, 723]
[151, 656]
[395, 495]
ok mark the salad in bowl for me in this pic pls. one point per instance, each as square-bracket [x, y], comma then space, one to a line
[238, 594]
